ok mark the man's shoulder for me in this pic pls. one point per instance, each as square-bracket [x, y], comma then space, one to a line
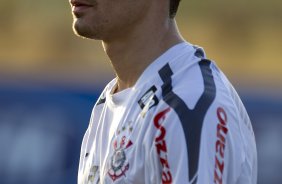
[200, 82]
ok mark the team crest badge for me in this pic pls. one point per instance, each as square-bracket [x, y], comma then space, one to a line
[118, 163]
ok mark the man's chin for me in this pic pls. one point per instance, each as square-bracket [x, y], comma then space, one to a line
[81, 34]
[84, 31]
[81, 30]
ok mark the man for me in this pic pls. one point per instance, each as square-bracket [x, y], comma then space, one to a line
[170, 115]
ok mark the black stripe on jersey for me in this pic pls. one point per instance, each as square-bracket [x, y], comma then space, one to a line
[199, 52]
[191, 119]
[102, 99]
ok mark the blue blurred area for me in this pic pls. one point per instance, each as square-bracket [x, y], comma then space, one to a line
[41, 129]
[266, 115]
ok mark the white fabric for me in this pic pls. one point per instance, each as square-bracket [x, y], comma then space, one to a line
[126, 143]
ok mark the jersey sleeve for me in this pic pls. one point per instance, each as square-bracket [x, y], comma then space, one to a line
[215, 149]
[225, 145]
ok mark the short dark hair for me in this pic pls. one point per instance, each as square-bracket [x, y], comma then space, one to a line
[173, 7]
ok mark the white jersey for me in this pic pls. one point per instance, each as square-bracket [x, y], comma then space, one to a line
[182, 122]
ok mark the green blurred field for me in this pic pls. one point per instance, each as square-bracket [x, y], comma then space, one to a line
[243, 37]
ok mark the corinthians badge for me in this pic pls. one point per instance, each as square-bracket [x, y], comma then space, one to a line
[118, 163]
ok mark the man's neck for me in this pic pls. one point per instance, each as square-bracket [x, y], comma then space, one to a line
[131, 55]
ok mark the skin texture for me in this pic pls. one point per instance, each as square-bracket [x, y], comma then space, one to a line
[133, 33]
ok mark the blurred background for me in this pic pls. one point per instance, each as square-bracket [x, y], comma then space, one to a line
[50, 79]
